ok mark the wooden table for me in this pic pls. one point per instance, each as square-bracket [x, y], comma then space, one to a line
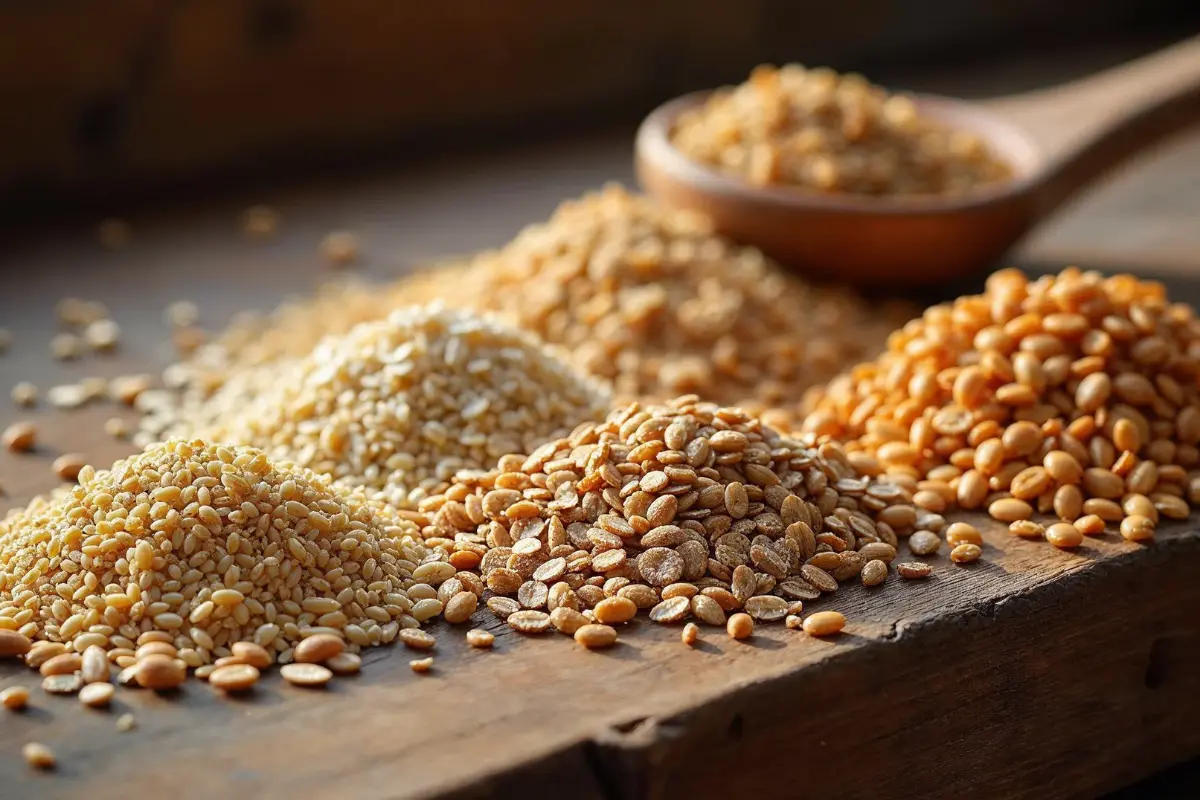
[1033, 674]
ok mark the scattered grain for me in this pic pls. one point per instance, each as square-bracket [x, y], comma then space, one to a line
[482, 639]
[824, 623]
[234, 677]
[966, 553]
[595, 637]
[68, 465]
[14, 698]
[62, 684]
[307, 675]
[97, 695]
[24, 394]
[19, 437]
[1064, 534]
[740, 626]
[126, 723]
[913, 570]
[340, 248]
[38, 756]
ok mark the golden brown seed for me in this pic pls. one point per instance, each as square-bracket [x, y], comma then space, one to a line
[966, 553]
[1010, 509]
[824, 623]
[460, 608]
[913, 570]
[615, 611]
[477, 637]
[1090, 525]
[14, 698]
[1064, 534]
[416, 639]
[962, 533]
[159, 648]
[13, 644]
[68, 465]
[740, 626]
[97, 695]
[874, 572]
[19, 437]
[567, 620]
[318, 648]
[62, 684]
[1068, 502]
[1063, 467]
[690, 634]
[307, 675]
[924, 543]
[234, 677]
[345, 664]
[1027, 528]
[160, 672]
[63, 664]
[39, 653]
[38, 756]
[421, 665]
[1137, 528]
[793, 622]
[594, 637]
[529, 621]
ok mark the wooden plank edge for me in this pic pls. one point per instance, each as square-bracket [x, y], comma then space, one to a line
[1006, 688]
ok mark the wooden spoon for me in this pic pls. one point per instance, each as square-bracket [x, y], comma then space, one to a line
[1058, 140]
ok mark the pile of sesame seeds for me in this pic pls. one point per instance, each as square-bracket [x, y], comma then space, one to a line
[687, 510]
[201, 547]
[402, 404]
[1072, 395]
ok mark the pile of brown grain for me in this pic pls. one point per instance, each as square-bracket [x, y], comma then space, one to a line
[199, 547]
[686, 509]
[825, 132]
[1071, 394]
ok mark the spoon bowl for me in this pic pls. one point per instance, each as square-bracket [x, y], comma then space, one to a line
[1056, 142]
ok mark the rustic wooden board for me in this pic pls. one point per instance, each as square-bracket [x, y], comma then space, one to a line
[1034, 674]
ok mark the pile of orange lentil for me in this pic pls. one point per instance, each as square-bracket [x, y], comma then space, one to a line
[1071, 395]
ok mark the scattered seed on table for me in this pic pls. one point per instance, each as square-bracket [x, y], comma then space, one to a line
[482, 639]
[819, 578]
[707, 610]
[116, 427]
[38, 756]
[126, 723]
[253, 654]
[1137, 528]
[62, 684]
[1090, 525]
[793, 622]
[674, 610]
[615, 610]
[234, 677]
[529, 621]
[913, 570]
[307, 675]
[421, 665]
[1010, 509]
[963, 533]
[19, 437]
[24, 394]
[690, 634]
[924, 543]
[595, 636]
[1027, 528]
[1064, 534]
[567, 620]
[503, 607]
[39, 653]
[824, 623]
[97, 695]
[966, 553]
[417, 639]
[340, 248]
[740, 626]
[68, 465]
[14, 698]
[874, 572]
[345, 664]
[766, 608]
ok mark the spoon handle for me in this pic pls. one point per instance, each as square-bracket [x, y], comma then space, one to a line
[1086, 127]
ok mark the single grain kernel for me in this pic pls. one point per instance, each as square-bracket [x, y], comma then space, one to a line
[318, 648]
[594, 637]
[874, 573]
[14, 698]
[824, 623]
[1137, 528]
[740, 626]
[307, 675]
[97, 695]
[966, 553]
[19, 437]
[615, 611]
[234, 677]
[38, 756]
[158, 671]
[963, 533]
[1064, 534]
[13, 644]
[421, 665]
[913, 570]
[482, 639]
[1010, 509]
[690, 634]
